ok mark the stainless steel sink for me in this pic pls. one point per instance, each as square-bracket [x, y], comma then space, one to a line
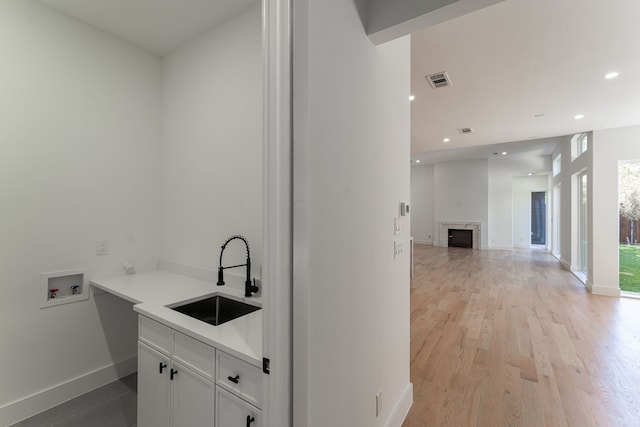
[216, 310]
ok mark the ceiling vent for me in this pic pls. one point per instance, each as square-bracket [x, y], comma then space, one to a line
[465, 131]
[437, 80]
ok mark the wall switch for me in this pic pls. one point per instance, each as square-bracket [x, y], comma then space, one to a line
[398, 249]
[379, 403]
[102, 247]
[396, 226]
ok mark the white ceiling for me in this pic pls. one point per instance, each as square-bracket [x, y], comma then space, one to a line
[521, 58]
[155, 25]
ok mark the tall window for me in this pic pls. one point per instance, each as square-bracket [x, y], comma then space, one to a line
[582, 223]
[579, 144]
[557, 165]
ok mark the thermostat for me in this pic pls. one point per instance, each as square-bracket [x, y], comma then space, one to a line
[404, 208]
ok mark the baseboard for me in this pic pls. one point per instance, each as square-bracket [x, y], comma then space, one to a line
[33, 404]
[401, 409]
[564, 263]
[601, 290]
[423, 242]
[501, 248]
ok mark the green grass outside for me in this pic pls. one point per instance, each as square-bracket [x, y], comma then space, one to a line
[630, 268]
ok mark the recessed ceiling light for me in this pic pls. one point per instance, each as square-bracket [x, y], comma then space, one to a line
[611, 75]
[530, 173]
[579, 116]
[446, 140]
[412, 97]
[504, 153]
[417, 161]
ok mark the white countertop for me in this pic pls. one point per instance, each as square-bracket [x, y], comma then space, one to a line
[152, 291]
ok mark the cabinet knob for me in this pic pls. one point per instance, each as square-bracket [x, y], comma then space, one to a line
[235, 379]
[162, 366]
[250, 419]
[173, 373]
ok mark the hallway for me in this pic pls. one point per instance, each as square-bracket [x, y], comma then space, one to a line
[509, 338]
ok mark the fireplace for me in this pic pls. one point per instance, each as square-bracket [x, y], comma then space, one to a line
[475, 227]
[460, 238]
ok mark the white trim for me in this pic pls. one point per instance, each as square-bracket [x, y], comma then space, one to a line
[602, 290]
[401, 408]
[28, 406]
[277, 217]
[423, 242]
[501, 248]
[629, 294]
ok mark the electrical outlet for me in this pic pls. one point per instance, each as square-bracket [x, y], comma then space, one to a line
[379, 403]
[102, 247]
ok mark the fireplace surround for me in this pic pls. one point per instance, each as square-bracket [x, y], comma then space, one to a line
[474, 226]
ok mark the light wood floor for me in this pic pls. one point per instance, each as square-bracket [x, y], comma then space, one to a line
[509, 338]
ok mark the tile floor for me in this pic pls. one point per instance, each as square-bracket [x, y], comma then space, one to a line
[113, 405]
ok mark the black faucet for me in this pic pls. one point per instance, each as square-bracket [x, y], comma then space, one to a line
[248, 286]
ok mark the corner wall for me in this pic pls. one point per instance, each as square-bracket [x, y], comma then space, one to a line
[212, 145]
[351, 170]
[80, 156]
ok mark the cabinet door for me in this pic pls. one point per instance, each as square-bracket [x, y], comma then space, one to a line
[231, 411]
[153, 388]
[193, 398]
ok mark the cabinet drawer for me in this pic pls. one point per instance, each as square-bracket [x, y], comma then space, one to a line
[239, 377]
[194, 354]
[154, 334]
[232, 411]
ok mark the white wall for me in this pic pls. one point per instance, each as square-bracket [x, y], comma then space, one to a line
[523, 186]
[461, 194]
[212, 145]
[80, 162]
[422, 204]
[502, 214]
[609, 147]
[351, 169]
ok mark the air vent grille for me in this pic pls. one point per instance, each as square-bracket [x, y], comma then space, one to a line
[438, 80]
[465, 131]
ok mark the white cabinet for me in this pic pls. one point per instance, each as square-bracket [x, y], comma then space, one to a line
[183, 382]
[231, 411]
[175, 378]
[153, 388]
[192, 399]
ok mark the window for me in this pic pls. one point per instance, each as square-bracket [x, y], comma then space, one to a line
[582, 224]
[579, 144]
[557, 165]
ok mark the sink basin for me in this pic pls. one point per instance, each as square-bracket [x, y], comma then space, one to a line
[216, 310]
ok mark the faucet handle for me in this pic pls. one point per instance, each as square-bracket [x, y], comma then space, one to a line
[249, 288]
[220, 277]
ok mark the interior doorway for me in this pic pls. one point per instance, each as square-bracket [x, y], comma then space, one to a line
[539, 218]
